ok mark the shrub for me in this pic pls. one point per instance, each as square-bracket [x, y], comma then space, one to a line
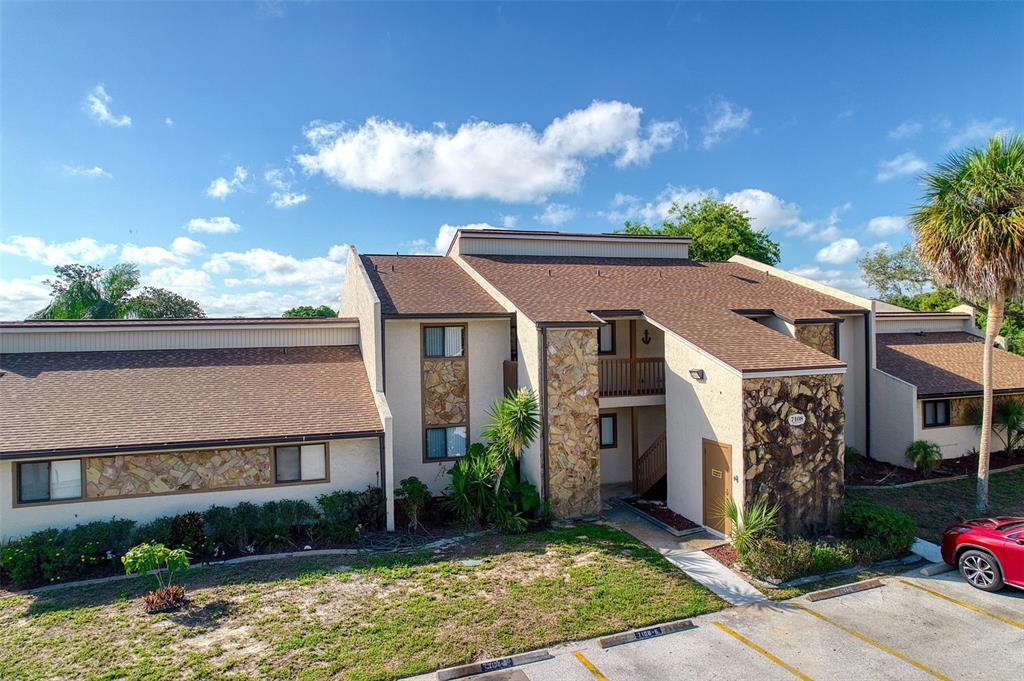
[345, 515]
[58, 555]
[188, 531]
[881, 532]
[156, 531]
[925, 455]
[771, 558]
[470, 494]
[163, 563]
[22, 561]
[751, 524]
[413, 495]
[232, 530]
[281, 524]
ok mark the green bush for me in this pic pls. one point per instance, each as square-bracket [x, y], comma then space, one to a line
[156, 531]
[59, 555]
[772, 558]
[29, 560]
[232, 530]
[880, 532]
[414, 496]
[346, 515]
[188, 531]
[925, 455]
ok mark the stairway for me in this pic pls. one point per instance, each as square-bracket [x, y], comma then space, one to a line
[650, 466]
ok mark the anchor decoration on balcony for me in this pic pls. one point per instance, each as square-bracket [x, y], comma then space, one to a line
[646, 338]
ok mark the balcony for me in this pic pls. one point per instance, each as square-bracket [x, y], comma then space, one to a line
[626, 377]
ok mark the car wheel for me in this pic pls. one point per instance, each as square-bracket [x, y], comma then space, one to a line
[981, 570]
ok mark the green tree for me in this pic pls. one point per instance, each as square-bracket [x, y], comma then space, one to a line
[970, 232]
[90, 292]
[310, 311]
[514, 424]
[719, 231]
[896, 274]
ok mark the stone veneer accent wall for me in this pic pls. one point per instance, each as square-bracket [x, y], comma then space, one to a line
[960, 409]
[132, 474]
[800, 467]
[574, 454]
[821, 337]
[445, 392]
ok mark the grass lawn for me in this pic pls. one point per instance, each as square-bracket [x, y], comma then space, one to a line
[934, 507]
[385, 617]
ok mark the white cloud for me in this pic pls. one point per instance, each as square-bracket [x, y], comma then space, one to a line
[168, 121]
[509, 221]
[904, 164]
[223, 187]
[264, 267]
[221, 225]
[906, 129]
[555, 214]
[628, 207]
[504, 161]
[84, 250]
[841, 279]
[281, 181]
[338, 253]
[766, 210]
[182, 245]
[84, 171]
[97, 106]
[887, 224]
[20, 298]
[181, 249]
[840, 252]
[724, 120]
[975, 131]
[444, 237]
[191, 283]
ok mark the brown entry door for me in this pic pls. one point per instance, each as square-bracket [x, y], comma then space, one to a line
[717, 482]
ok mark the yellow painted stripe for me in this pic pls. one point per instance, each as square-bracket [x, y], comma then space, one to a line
[590, 666]
[746, 641]
[965, 604]
[873, 642]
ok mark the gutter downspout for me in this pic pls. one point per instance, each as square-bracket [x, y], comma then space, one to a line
[869, 353]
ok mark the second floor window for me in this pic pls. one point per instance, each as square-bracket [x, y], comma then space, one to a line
[443, 341]
[606, 339]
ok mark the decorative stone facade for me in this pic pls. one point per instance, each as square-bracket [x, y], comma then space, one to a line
[960, 409]
[133, 474]
[798, 466]
[821, 337]
[445, 392]
[574, 454]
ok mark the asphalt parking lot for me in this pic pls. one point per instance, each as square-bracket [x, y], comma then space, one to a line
[912, 627]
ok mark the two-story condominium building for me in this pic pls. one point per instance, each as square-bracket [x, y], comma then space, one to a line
[655, 373]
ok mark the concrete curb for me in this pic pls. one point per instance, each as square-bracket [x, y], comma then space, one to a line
[509, 662]
[843, 590]
[645, 633]
[935, 569]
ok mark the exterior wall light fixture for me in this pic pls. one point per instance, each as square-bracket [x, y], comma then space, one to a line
[697, 374]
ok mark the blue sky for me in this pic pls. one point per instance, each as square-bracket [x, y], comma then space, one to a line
[233, 149]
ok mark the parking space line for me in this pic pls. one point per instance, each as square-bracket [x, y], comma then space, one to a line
[873, 642]
[965, 604]
[746, 641]
[591, 667]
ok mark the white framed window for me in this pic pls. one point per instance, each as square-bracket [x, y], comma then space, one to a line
[443, 341]
[606, 339]
[448, 442]
[300, 463]
[56, 480]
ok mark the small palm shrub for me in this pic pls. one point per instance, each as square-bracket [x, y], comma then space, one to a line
[162, 562]
[1007, 423]
[925, 455]
[751, 524]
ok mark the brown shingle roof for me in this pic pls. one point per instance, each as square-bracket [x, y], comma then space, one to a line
[947, 363]
[151, 398]
[697, 301]
[192, 321]
[426, 285]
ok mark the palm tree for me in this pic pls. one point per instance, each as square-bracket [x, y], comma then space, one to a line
[513, 426]
[970, 232]
[87, 292]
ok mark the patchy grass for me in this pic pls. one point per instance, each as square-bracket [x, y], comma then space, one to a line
[934, 507]
[865, 574]
[340, 617]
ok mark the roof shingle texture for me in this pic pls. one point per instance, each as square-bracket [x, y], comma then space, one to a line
[78, 400]
[426, 284]
[697, 301]
[947, 363]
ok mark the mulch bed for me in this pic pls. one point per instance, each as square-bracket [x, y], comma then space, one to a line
[658, 510]
[724, 554]
[863, 471]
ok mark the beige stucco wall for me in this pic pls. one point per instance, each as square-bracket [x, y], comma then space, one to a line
[852, 351]
[617, 462]
[694, 411]
[893, 413]
[528, 367]
[359, 300]
[354, 465]
[961, 437]
[488, 347]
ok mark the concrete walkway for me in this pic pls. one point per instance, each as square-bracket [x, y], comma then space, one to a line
[687, 553]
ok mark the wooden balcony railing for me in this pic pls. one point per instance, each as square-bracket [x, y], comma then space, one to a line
[637, 376]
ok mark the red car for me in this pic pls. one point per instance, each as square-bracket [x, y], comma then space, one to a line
[989, 552]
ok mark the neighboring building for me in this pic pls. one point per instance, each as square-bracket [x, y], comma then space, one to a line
[655, 374]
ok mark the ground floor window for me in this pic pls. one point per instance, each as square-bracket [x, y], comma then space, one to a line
[448, 442]
[609, 430]
[936, 413]
[300, 463]
[49, 480]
